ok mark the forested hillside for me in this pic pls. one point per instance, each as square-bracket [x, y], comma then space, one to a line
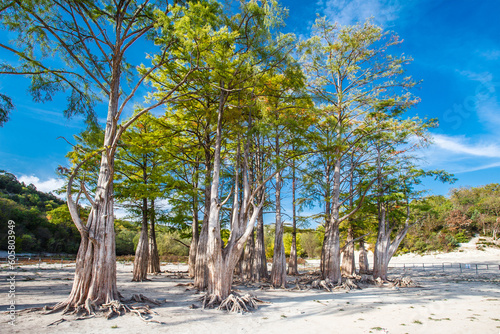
[42, 220]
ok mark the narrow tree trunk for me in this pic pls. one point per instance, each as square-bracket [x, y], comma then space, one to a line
[292, 262]
[330, 266]
[154, 257]
[348, 261]
[140, 272]
[201, 270]
[238, 269]
[364, 267]
[195, 227]
[278, 272]
[260, 252]
[331, 258]
[248, 259]
[328, 214]
[194, 246]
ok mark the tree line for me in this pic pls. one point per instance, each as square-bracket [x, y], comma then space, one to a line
[247, 114]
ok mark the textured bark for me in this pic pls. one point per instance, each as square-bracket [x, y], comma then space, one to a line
[238, 269]
[222, 261]
[278, 272]
[248, 259]
[201, 270]
[384, 248]
[330, 264]
[95, 271]
[348, 261]
[292, 262]
[260, 264]
[331, 257]
[194, 227]
[154, 257]
[364, 267]
[193, 247]
[140, 272]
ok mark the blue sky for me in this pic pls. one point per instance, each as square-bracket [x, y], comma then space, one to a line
[456, 51]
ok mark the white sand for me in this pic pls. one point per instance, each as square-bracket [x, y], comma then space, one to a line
[447, 302]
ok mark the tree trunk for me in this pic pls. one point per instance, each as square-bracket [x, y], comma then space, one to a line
[194, 228]
[238, 269]
[331, 258]
[384, 248]
[221, 262]
[201, 270]
[364, 267]
[154, 257]
[348, 261]
[95, 271]
[193, 247]
[248, 259]
[260, 264]
[330, 264]
[278, 272]
[292, 262]
[141, 253]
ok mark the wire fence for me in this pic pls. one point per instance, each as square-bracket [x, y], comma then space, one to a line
[446, 268]
[55, 262]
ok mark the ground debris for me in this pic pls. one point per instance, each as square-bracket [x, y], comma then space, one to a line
[405, 282]
[233, 303]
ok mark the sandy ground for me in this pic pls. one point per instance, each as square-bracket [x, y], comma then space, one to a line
[446, 302]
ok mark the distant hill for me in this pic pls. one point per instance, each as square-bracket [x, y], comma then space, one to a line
[42, 220]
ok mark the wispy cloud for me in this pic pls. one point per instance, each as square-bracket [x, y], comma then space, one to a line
[491, 54]
[347, 12]
[48, 185]
[460, 145]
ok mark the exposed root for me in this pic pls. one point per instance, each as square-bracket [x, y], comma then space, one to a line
[233, 303]
[348, 285]
[405, 282]
[138, 305]
[140, 298]
[57, 322]
[322, 284]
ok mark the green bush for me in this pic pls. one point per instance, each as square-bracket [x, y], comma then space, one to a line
[461, 237]
[168, 244]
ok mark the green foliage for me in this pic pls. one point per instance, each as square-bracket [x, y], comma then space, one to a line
[6, 107]
[312, 242]
[172, 243]
[125, 240]
[287, 240]
[42, 220]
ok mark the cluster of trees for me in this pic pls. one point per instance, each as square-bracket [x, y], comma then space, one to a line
[446, 222]
[40, 222]
[250, 112]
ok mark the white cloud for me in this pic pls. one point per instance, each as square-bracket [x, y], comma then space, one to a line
[491, 54]
[347, 12]
[477, 168]
[49, 185]
[476, 76]
[459, 145]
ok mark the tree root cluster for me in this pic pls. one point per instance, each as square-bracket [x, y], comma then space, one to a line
[233, 303]
[138, 304]
[405, 282]
[314, 281]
